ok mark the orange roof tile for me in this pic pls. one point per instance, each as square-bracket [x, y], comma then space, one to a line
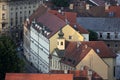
[70, 16]
[30, 76]
[100, 48]
[115, 9]
[52, 22]
[74, 53]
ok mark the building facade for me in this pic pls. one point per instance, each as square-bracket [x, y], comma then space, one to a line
[40, 34]
[106, 28]
[14, 13]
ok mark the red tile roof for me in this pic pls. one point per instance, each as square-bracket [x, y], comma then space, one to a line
[28, 76]
[100, 48]
[115, 9]
[52, 22]
[70, 16]
[74, 53]
[38, 12]
[78, 74]
[79, 28]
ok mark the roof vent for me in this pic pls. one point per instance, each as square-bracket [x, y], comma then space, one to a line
[97, 50]
[86, 46]
[59, 11]
[65, 71]
[78, 44]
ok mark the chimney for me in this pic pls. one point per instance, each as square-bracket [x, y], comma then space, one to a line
[66, 71]
[107, 6]
[78, 44]
[71, 6]
[87, 6]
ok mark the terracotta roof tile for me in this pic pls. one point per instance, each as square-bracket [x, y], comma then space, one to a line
[100, 48]
[74, 53]
[70, 16]
[79, 28]
[115, 9]
[78, 74]
[30, 76]
[51, 22]
[38, 12]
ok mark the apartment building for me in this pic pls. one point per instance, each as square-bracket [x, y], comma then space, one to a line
[14, 12]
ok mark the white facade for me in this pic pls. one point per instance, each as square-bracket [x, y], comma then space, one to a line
[39, 50]
[86, 37]
[109, 35]
[14, 13]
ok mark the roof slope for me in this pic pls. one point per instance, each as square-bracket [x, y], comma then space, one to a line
[100, 24]
[100, 48]
[74, 53]
[23, 76]
[51, 22]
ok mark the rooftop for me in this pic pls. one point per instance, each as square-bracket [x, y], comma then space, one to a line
[100, 24]
[31, 76]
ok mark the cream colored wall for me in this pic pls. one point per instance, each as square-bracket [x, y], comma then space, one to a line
[5, 12]
[68, 31]
[111, 64]
[93, 61]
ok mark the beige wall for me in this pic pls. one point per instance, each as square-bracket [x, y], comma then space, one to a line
[93, 61]
[68, 31]
[111, 63]
[5, 11]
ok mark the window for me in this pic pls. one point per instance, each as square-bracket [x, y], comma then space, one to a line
[70, 37]
[29, 12]
[20, 19]
[3, 25]
[11, 21]
[61, 43]
[116, 45]
[108, 45]
[108, 35]
[116, 35]
[3, 16]
[100, 35]
[3, 7]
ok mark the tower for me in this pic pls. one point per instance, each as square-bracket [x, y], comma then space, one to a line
[61, 41]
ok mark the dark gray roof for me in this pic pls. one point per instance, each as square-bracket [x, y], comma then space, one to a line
[60, 52]
[100, 24]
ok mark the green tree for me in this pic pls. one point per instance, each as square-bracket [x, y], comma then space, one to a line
[9, 61]
[61, 3]
[93, 36]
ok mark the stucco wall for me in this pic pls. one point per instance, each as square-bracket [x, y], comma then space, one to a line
[68, 31]
[111, 63]
[94, 62]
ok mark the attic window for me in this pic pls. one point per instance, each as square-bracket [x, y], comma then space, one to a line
[97, 50]
[70, 37]
[70, 60]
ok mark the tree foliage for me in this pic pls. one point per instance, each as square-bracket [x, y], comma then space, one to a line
[61, 3]
[9, 61]
[93, 36]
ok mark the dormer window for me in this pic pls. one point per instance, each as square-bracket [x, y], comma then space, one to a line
[108, 35]
[70, 37]
[116, 35]
[100, 35]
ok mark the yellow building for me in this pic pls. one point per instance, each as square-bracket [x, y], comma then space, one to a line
[75, 55]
